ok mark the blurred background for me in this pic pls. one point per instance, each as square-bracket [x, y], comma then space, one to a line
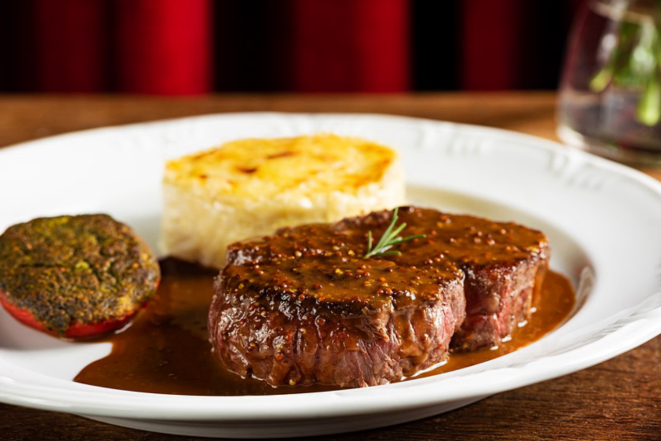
[192, 47]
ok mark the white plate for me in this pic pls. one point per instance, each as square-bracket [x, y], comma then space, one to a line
[603, 221]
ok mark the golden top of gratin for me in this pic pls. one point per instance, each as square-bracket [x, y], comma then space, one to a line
[266, 168]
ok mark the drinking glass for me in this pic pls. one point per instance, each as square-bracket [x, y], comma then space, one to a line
[610, 93]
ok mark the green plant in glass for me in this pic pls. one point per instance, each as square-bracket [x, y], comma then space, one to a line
[634, 62]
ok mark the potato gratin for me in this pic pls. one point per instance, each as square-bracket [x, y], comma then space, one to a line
[252, 187]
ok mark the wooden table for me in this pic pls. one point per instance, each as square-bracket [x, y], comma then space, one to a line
[619, 399]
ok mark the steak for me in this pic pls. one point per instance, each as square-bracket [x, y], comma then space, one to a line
[304, 307]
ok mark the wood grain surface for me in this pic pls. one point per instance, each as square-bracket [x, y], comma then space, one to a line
[616, 400]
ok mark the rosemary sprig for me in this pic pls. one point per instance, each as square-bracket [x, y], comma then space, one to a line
[389, 239]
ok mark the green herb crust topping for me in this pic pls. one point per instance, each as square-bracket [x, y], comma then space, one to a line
[76, 270]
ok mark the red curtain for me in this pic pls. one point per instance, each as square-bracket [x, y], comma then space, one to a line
[164, 46]
[184, 47]
[70, 37]
[349, 45]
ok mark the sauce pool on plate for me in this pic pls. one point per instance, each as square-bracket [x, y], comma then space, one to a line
[166, 349]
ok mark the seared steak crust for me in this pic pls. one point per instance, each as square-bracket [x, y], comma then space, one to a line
[303, 306]
[293, 335]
